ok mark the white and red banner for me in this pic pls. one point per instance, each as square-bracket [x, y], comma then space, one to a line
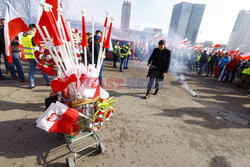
[14, 25]
[156, 36]
[245, 56]
[58, 118]
[216, 46]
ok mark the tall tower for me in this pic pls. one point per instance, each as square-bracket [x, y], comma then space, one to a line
[126, 11]
[240, 36]
[185, 21]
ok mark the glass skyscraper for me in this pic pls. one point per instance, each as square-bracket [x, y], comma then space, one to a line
[126, 11]
[240, 36]
[185, 21]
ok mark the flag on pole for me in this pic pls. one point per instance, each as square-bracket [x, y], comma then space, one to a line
[14, 25]
[84, 37]
[184, 41]
[245, 56]
[107, 43]
[216, 46]
[48, 20]
[58, 118]
[57, 4]
[156, 36]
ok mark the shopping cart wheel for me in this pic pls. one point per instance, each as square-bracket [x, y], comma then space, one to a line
[70, 162]
[101, 148]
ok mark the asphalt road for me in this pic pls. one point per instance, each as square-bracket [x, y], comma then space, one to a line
[172, 129]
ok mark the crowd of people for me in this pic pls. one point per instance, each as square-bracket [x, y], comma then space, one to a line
[225, 67]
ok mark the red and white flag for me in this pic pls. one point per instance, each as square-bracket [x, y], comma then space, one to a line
[216, 46]
[156, 36]
[14, 25]
[184, 41]
[245, 56]
[56, 7]
[58, 118]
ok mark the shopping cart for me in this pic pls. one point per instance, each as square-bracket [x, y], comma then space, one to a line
[81, 141]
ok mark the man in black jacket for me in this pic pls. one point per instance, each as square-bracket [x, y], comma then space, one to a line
[158, 64]
[203, 61]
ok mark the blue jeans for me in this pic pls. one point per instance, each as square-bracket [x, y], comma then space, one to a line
[121, 64]
[151, 82]
[227, 75]
[126, 61]
[33, 63]
[201, 68]
[101, 70]
[16, 62]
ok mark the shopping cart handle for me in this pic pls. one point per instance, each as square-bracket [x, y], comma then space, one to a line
[79, 102]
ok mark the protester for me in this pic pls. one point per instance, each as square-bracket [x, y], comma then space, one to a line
[129, 52]
[2, 49]
[229, 69]
[203, 61]
[97, 37]
[211, 64]
[245, 78]
[158, 64]
[116, 49]
[16, 62]
[28, 46]
[123, 54]
[223, 63]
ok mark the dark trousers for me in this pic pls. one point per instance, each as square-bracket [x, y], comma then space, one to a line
[122, 63]
[115, 58]
[210, 69]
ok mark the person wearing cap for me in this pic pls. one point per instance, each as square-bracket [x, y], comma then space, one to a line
[158, 65]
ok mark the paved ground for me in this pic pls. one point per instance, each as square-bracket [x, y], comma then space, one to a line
[172, 129]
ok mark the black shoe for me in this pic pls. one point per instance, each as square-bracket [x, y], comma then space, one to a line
[156, 91]
[31, 87]
[147, 95]
[121, 71]
[48, 84]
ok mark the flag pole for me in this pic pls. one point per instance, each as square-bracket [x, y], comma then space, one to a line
[84, 34]
[102, 40]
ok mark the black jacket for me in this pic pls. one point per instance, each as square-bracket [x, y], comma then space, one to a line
[160, 61]
[14, 45]
[204, 58]
[89, 57]
[2, 43]
[96, 46]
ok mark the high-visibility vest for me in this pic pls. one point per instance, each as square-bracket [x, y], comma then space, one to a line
[115, 49]
[122, 55]
[129, 51]
[209, 59]
[28, 47]
[198, 58]
[246, 71]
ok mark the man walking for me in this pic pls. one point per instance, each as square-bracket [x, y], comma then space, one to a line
[203, 61]
[158, 64]
[29, 49]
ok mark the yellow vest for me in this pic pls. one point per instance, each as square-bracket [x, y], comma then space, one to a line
[198, 58]
[122, 55]
[246, 71]
[28, 48]
[129, 51]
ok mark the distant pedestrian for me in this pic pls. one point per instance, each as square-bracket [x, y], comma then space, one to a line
[123, 54]
[203, 61]
[129, 52]
[116, 49]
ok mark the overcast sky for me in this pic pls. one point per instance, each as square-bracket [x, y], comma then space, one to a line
[217, 24]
